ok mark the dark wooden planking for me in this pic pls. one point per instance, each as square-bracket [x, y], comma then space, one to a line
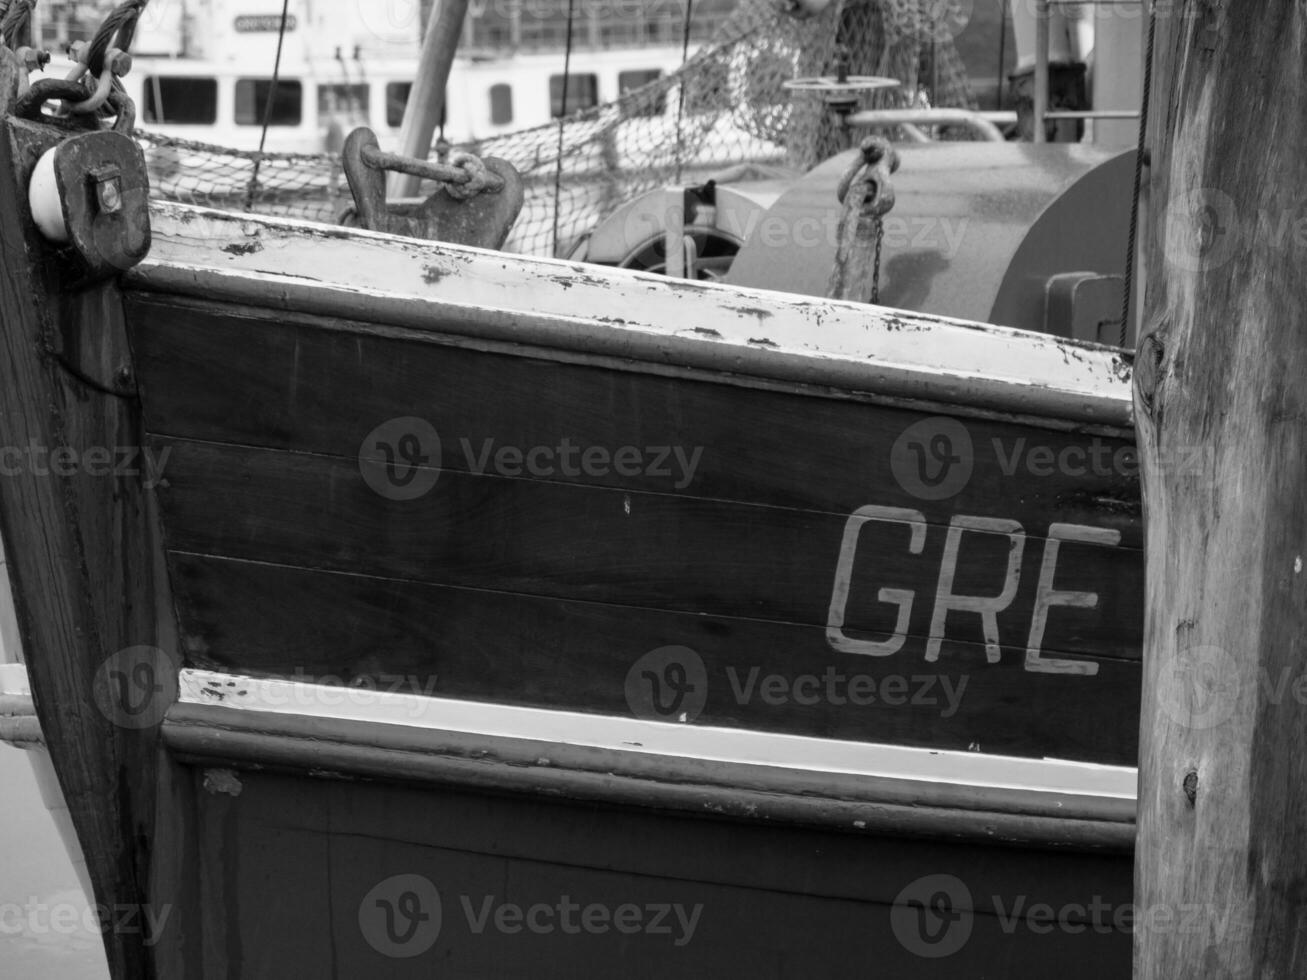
[492, 646]
[234, 374]
[637, 549]
[80, 547]
[775, 903]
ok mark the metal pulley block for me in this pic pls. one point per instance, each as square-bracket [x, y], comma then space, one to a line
[91, 191]
[476, 203]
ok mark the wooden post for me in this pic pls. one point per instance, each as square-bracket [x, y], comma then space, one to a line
[1221, 405]
[427, 99]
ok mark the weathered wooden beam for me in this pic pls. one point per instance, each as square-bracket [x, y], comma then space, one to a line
[80, 541]
[426, 100]
[1222, 417]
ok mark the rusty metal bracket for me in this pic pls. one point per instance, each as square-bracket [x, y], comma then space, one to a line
[482, 219]
[867, 194]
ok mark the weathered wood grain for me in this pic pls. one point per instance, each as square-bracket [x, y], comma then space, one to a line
[645, 550]
[494, 646]
[775, 903]
[1223, 774]
[80, 546]
[240, 375]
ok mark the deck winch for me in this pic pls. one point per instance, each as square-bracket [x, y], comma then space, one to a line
[1017, 234]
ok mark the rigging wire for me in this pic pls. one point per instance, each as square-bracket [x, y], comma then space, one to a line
[267, 108]
[680, 89]
[562, 119]
[1140, 153]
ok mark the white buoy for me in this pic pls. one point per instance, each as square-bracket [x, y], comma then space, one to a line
[43, 198]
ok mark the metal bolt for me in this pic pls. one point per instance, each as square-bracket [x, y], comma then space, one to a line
[109, 193]
[120, 62]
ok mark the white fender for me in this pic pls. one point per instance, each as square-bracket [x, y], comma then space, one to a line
[43, 198]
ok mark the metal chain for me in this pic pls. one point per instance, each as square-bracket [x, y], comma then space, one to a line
[875, 267]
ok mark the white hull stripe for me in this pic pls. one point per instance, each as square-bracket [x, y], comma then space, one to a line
[656, 739]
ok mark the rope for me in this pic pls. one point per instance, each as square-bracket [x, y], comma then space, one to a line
[16, 20]
[680, 91]
[1139, 177]
[267, 108]
[118, 30]
[562, 121]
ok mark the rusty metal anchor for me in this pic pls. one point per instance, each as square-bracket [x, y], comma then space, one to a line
[476, 203]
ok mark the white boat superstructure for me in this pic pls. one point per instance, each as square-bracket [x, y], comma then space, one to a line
[203, 70]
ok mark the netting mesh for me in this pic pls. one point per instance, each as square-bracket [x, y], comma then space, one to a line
[726, 106]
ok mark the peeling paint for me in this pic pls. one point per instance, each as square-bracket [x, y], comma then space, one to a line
[223, 781]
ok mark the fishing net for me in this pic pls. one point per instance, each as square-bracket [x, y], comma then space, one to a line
[726, 106]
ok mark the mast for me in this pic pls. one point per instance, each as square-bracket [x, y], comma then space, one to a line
[1221, 408]
[427, 99]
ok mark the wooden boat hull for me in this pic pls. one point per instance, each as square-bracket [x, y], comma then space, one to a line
[454, 578]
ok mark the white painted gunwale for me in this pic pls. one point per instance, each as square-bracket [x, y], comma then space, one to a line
[440, 288]
[277, 696]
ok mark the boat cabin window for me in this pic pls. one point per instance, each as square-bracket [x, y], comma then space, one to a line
[582, 93]
[344, 100]
[629, 81]
[187, 101]
[396, 101]
[252, 97]
[501, 104]
[397, 94]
